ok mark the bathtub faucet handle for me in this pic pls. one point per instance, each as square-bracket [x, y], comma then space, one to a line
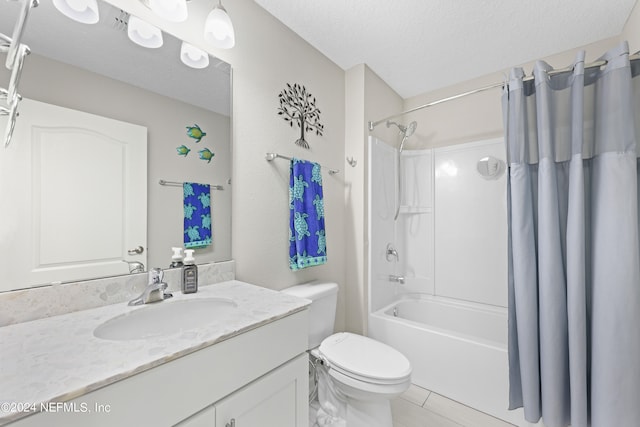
[397, 279]
[392, 252]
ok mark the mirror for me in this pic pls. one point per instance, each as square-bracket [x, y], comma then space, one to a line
[96, 69]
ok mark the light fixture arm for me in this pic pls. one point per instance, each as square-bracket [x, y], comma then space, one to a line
[16, 52]
[18, 30]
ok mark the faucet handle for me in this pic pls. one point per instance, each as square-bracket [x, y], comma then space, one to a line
[391, 253]
[155, 276]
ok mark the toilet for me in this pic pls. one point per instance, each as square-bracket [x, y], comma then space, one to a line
[357, 376]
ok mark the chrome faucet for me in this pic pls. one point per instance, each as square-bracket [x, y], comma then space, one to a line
[397, 279]
[155, 290]
[135, 266]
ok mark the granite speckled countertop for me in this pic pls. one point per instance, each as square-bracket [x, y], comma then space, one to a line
[58, 358]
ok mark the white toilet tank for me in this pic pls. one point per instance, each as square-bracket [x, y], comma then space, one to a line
[322, 311]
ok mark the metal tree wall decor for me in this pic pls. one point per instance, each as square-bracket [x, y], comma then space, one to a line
[299, 106]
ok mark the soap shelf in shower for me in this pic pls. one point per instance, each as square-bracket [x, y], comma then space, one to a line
[405, 209]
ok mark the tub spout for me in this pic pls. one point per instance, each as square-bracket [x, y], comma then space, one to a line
[397, 279]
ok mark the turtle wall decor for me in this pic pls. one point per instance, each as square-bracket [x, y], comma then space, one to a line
[196, 134]
[298, 106]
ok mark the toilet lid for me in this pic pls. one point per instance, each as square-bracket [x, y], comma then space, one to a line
[365, 357]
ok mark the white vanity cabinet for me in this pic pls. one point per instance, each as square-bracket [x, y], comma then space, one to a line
[272, 400]
[258, 378]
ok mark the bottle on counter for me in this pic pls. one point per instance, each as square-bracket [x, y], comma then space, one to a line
[189, 273]
[176, 259]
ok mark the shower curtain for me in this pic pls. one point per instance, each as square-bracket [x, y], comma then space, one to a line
[574, 275]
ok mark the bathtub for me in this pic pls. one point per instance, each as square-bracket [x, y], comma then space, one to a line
[457, 349]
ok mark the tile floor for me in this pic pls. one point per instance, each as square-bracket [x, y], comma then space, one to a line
[418, 407]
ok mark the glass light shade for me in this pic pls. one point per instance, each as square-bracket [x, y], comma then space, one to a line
[218, 29]
[171, 10]
[143, 33]
[84, 11]
[193, 57]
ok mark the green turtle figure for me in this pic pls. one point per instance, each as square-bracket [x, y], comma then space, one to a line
[315, 174]
[195, 132]
[193, 233]
[183, 150]
[300, 224]
[319, 204]
[298, 187]
[322, 242]
[206, 154]
[189, 210]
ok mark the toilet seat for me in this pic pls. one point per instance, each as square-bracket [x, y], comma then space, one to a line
[364, 359]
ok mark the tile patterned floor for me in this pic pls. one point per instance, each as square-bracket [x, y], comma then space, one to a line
[418, 407]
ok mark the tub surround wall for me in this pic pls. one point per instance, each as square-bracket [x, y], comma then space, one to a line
[470, 232]
[36, 303]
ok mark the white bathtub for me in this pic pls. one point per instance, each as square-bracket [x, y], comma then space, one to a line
[457, 349]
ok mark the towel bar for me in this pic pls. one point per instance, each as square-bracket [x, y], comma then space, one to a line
[271, 156]
[179, 184]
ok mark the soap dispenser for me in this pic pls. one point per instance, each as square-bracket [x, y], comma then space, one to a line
[189, 273]
[176, 259]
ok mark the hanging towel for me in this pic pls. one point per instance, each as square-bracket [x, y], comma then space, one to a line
[197, 215]
[307, 240]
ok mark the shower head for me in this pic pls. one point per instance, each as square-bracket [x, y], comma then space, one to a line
[410, 129]
[406, 131]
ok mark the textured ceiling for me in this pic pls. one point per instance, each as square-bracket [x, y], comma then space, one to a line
[417, 46]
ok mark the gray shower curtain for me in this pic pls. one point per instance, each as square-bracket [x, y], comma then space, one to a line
[574, 255]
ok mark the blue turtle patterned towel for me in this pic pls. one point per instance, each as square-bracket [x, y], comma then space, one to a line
[197, 215]
[306, 220]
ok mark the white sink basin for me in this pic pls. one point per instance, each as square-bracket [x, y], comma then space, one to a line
[165, 318]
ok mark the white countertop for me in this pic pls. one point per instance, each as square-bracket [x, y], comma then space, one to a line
[58, 358]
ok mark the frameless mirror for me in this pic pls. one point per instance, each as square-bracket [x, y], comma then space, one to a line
[95, 70]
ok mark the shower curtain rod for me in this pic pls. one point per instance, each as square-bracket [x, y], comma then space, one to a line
[372, 125]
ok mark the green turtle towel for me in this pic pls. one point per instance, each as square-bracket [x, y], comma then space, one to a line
[306, 220]
[197, 215]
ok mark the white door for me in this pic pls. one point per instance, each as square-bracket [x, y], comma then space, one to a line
[73, 196]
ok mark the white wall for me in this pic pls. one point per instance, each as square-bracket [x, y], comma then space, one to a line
[479, 116]
[367, 96]
[266, 57]
[631, 31]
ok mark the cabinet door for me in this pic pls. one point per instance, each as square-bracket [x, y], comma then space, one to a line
[278, 399]
[204, 418]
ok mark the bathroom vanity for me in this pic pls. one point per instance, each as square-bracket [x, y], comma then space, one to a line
[246, 366]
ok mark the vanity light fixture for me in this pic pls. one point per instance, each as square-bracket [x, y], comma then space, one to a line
[143, 33]
[193, 57]
[170, 10]
[84, 11]
[218, 29]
